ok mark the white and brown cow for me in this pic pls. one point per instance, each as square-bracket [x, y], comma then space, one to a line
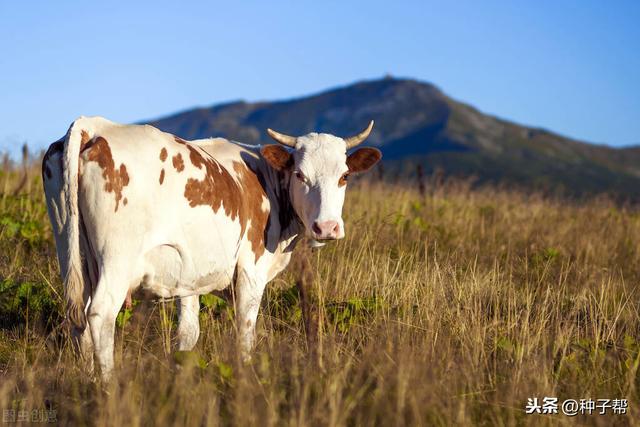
[133, 206]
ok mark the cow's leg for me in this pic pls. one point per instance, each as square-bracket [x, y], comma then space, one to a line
[188, 322]
[106, 302]
[249, 289]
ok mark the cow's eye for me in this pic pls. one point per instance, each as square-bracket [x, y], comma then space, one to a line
[343, 179]
[300, 176]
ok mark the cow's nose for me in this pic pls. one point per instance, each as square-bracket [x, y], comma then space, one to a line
[326, 229]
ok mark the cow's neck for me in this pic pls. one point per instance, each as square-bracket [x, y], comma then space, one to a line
[291, 227]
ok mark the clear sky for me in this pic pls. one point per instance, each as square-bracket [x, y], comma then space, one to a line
[569, 66]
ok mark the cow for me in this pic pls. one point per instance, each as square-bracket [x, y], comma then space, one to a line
[134, 207]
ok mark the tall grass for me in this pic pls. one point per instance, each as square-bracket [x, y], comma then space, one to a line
[450, 307]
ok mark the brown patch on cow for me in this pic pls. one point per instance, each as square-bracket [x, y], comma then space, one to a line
[178, 163]
[115, 179]
[218, 188]
[163, 154]
[84, 139]
[252, 212]
[55, 148]
[125, 201]
[196, 158]
[161, 176]
[179, 140]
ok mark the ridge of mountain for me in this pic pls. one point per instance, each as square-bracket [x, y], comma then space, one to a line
[417, 123]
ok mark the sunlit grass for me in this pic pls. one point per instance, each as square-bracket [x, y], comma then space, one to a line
[448, 308]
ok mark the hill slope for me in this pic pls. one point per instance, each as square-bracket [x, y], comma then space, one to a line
[417, 122]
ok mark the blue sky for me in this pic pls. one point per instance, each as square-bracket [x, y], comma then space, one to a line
[569, 66]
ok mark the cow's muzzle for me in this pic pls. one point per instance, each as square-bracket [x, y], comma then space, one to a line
[326, 230]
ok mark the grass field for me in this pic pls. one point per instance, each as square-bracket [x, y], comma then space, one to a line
[450, 308]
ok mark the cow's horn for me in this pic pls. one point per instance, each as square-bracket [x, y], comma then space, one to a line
[357, 139]
[289, 141]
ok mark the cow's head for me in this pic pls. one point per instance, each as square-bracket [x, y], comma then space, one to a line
[319, 167]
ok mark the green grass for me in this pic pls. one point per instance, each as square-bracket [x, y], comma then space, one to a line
[451, 308]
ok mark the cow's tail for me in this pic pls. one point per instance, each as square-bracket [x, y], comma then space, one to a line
[73, 278]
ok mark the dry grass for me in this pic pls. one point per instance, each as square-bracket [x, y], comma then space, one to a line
[446, 309]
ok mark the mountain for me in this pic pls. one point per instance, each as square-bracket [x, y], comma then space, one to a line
[416, 123]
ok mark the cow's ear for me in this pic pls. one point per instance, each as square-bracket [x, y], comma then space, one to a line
[277, 156]
[363, 159]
